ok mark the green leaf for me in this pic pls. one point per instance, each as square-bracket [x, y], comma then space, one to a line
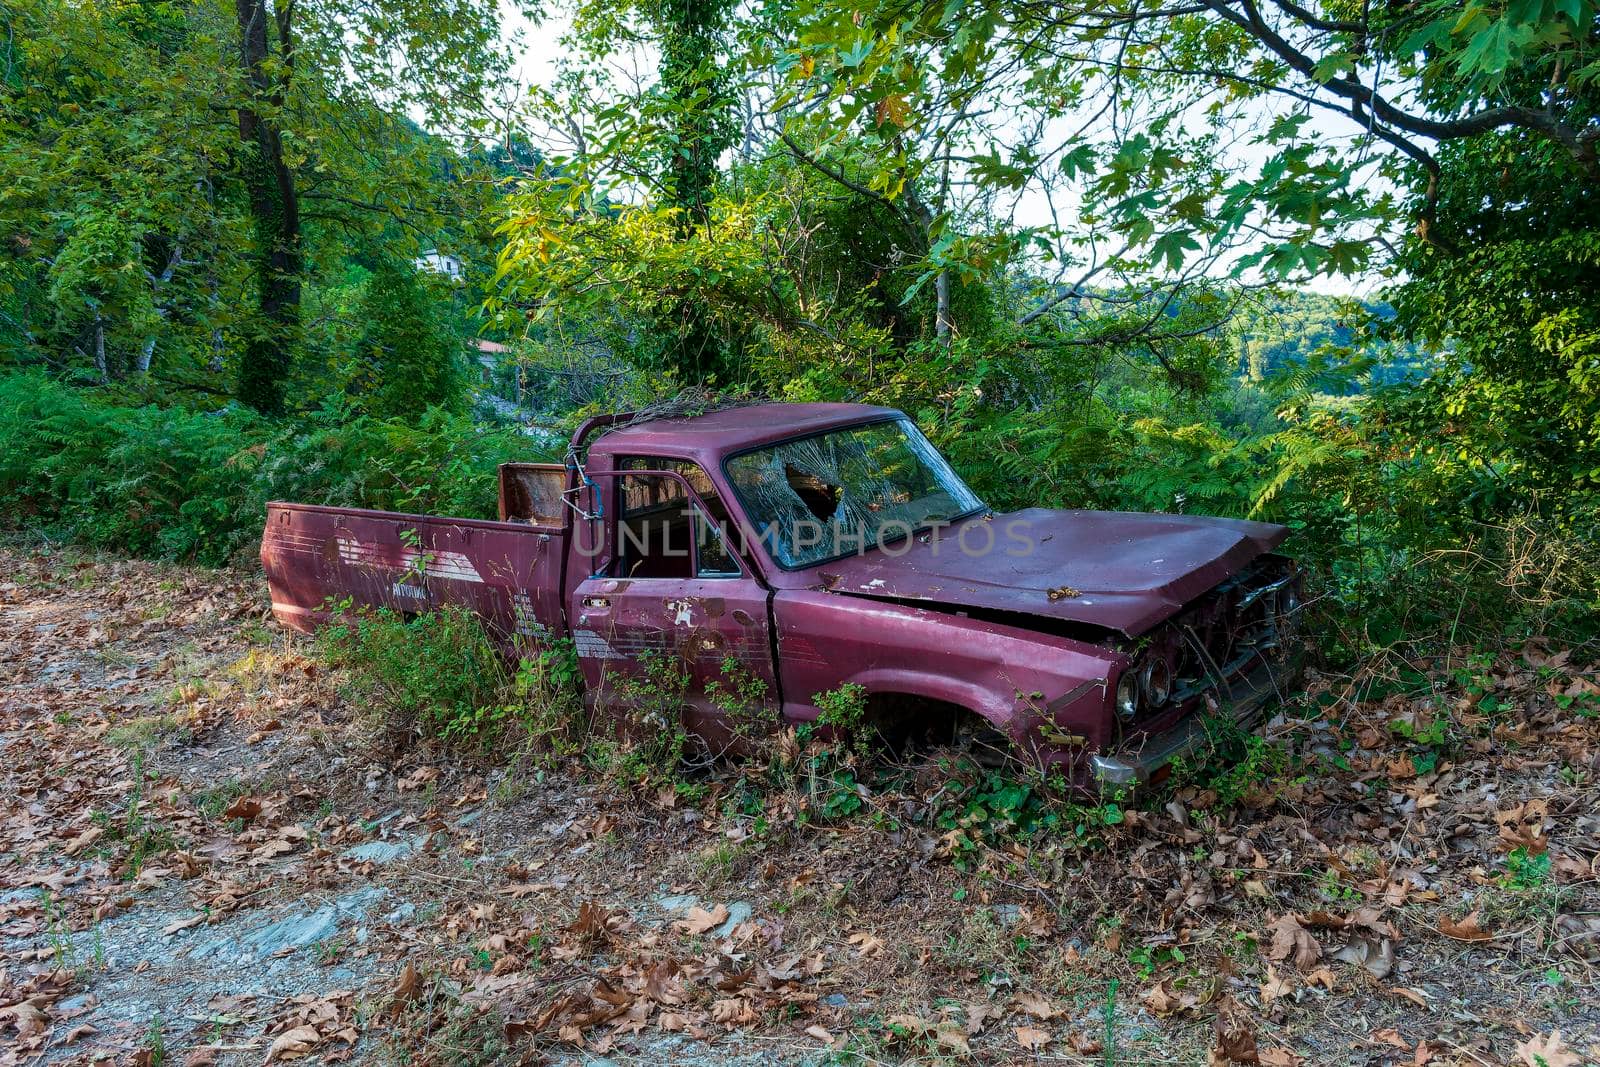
[1172, 246]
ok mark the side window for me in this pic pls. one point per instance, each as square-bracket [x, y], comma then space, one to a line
[715, 560]
[661, 534]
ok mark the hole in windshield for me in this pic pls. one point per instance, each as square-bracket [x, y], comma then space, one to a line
[816, 494]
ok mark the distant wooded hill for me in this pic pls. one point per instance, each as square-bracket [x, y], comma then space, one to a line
[1283, 330]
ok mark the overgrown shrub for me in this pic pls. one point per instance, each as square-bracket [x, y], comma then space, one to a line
[745, 701]
[436, 676]
[179, 484]
[653, 738]
[549, 683]
[407, 355]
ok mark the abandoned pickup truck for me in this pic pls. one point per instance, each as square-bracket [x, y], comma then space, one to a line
[825, 544]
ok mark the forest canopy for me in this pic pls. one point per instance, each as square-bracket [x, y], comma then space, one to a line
[1087, 247]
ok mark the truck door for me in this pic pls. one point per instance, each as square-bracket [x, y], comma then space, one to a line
[666, 587]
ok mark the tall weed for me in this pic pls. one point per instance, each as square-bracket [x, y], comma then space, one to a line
[437, 676]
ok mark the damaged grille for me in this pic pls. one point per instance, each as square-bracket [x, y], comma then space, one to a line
[1251, 616]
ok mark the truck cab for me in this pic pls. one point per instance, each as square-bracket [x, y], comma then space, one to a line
[819, 545]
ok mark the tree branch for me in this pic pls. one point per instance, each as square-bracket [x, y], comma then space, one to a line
[1250, 19]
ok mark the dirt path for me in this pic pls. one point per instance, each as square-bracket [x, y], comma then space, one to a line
[205, 859]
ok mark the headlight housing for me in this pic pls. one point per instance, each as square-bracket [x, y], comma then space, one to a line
[1128, 694]
[1156, 680]
[1286, 619]
[1147, 683]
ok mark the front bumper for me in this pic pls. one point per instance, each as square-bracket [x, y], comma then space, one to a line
[1246, 703]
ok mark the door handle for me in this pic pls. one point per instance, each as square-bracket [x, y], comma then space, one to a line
[596, 602]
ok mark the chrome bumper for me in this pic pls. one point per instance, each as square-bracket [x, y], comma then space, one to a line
[1247, 703]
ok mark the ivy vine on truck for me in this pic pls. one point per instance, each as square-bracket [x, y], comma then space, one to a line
[825, 544]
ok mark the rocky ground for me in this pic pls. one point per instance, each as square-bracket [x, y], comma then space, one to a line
[208, 857]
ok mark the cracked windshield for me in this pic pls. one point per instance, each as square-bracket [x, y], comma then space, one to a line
[843, 491]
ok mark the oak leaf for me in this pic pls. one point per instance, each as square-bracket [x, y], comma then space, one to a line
[1275, 986]
[243, 809]
[1290, 941]
[1547, 1051]
[1467, 929]
[1036, 1005]
[1236, 1042]
[292, 1044]
[699, 920]
[1031, 1039]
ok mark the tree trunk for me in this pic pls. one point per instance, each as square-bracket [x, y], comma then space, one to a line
[941, 311]
[274, 206]
[159, 282]
[100, 349]
[919, 212]
[702, 126]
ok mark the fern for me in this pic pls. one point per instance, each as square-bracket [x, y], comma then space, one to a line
[180, 484]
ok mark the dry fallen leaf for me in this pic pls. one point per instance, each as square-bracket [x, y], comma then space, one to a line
[952, 1035]
[910, 1025]
[1031, 1039]
[867, 944]
[1392, 1037]
[1162, 999]
[1235, 1041]
[1412, 995]
[699, 920]
[407, 985]
[243, 808]
[1467, 929]
[733, 1012]
[1036, 1005]
[1275, 986]
[1279, 1057]
[1364, 950]
[83, 841]
[294, 1043]
[1290, 941]
[1523, 826]
[1548, 1051]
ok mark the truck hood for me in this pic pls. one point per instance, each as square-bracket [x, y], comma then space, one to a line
[1123, 571]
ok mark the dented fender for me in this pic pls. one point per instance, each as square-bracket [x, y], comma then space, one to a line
[1033, 686]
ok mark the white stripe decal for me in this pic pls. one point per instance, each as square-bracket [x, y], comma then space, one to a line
[452, 566]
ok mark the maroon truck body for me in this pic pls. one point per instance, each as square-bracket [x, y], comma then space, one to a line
[1099, 642]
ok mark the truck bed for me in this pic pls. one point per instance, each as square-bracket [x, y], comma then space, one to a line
[508, 573]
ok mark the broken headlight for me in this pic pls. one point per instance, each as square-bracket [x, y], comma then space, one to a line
[1128, 694]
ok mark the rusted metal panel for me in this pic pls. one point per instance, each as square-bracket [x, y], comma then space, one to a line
[531, 493]
[701, 624]
[710, 437]
[505, 572]
[1017, 679]
[1118, 570]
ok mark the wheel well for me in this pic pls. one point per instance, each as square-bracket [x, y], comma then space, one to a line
[903, 720]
